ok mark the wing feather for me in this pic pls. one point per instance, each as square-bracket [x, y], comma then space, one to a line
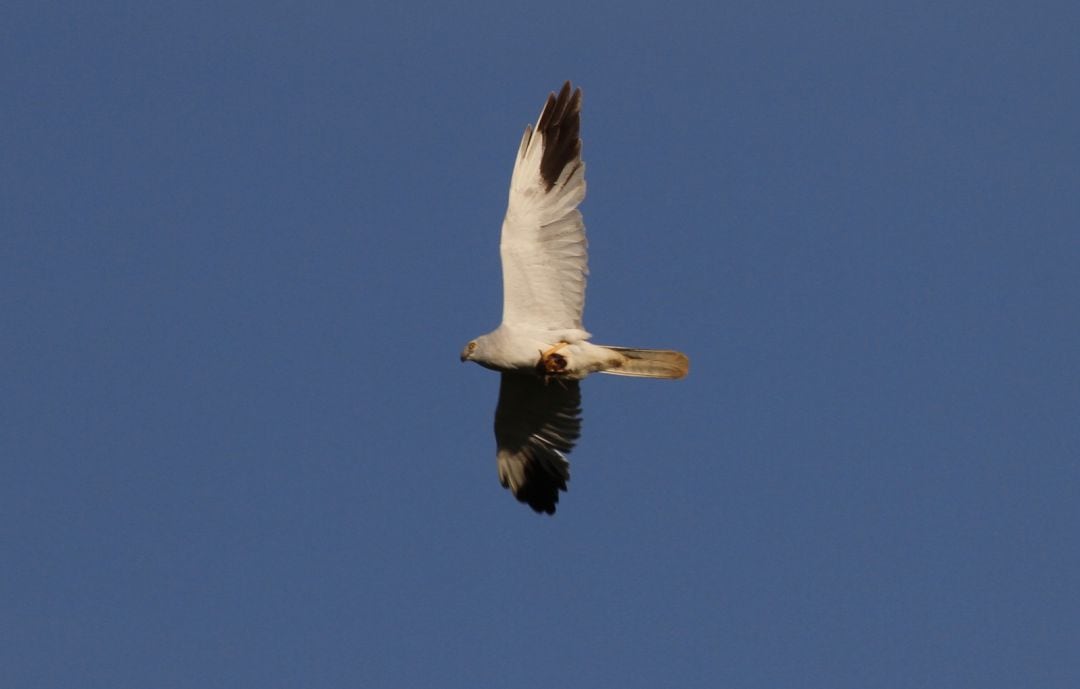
[543, 247]
[535, 424]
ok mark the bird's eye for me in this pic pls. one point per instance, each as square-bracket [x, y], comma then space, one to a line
[472, 346]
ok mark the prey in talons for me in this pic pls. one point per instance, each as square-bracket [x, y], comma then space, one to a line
[551, 363]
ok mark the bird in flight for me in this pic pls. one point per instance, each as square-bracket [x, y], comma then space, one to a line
[541, 348]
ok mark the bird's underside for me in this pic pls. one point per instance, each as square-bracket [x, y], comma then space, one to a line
[541, 347]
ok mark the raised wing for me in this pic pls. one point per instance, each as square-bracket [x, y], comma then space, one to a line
[544, 257]
[535, 423]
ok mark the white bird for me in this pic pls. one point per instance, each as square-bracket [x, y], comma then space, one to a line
[541, 347]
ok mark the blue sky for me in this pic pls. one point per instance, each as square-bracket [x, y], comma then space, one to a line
[242, 246]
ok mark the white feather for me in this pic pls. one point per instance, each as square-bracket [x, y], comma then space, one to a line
[543, 247]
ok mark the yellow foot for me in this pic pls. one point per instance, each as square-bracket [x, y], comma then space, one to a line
[551, 362]
[557, 347]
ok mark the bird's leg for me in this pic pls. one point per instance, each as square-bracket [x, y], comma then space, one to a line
[551, 362]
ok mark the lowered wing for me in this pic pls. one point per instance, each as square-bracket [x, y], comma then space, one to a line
[535, 424]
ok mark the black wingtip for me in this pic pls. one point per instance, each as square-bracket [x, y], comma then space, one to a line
[560, 126]
[544, 479]
[541, 497]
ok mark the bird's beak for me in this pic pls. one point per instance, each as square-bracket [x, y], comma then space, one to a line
[464, 355]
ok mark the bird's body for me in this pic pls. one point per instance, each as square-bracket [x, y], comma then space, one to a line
[513, 348]
[541, 348]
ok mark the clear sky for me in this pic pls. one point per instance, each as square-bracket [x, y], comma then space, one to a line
[242, 245]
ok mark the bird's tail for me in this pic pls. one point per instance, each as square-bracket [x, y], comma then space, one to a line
[649, 363]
